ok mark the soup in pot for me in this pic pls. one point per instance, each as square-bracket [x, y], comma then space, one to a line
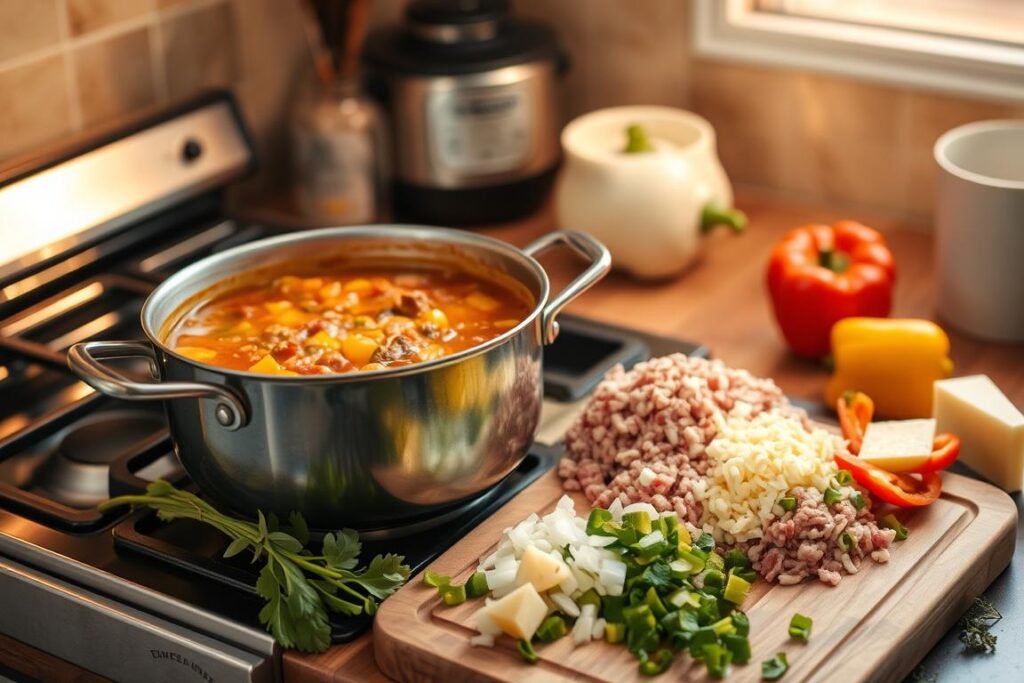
[347, 319]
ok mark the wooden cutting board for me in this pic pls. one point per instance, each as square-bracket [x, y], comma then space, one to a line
[875, 625]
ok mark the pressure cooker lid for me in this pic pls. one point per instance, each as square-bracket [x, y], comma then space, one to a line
[453, 37]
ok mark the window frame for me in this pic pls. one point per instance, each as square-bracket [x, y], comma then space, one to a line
[727, 29]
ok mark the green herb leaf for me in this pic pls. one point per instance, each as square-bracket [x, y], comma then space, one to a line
[975, 625]
[341, 549]
[384, 576]
[236, 546]
[299, 528]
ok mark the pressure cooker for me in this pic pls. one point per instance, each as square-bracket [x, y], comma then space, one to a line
[472, 93]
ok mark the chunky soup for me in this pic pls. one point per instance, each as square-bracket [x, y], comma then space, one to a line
[347, 320]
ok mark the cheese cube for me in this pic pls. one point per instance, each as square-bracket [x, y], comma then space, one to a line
[990, 428]
[898, 446]
[541, 569]
[519, 613]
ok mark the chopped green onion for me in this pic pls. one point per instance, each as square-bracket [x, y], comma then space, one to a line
[736, 558]
[713, 579]
[611, 607]
[477, 585]
[716, 561]
[832, 496]
[736, 589]
[788, 503]
[527, 651]
[453, 595]
[590, 598]
[551, 629]
[858, 500]
[772, 669]
[800, 627]
[614, 632]
[695, 561]
[706, 542]
[739, 646]
[654, 602]
[846, 542]
[684, 537]
[844, 477]
[717, 659]
[436, 580]
[638, 520]
[723, 627]
[596, 521]
[748, 575]
[641, 629]
[742, 623]
[890, 522]
[709, 611]
[700, 638]
[659, 663]
[682, 598]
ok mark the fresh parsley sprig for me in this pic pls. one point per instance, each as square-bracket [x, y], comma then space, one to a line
[298, 587]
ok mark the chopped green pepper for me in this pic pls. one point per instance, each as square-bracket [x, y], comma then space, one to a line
[717, 659]
[453, 595]
[858, 500]
[739, 646]
[713, 579]
[846, 542]
[682, 598]
[787, 503]
[636, 140]
[611, 607]
[477, 585]
[638, 520]
[527, 651]
[596, 521]
[695, 561]
[654, 602]
[832, 496]
[723, 627]
[736, 558]
[890, 522]
[551, 629]
[800, 627]
[590, 598]
[772, 669]
[641, 629]
[844, 477]
[716, 561]
[436, 580]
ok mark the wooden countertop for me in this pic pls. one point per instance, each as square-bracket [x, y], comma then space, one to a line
[721, 302]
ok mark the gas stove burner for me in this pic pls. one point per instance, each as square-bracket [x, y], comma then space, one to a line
[77, 471]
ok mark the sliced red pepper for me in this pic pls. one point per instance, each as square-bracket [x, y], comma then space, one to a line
[901, 490]
[945, 450]
[855, 410]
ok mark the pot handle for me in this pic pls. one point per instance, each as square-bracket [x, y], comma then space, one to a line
[587, 247]
[85, 360]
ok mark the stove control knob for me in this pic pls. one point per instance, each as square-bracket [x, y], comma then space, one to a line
[191, 150]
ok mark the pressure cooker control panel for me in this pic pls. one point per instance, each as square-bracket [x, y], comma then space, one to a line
[480, 130]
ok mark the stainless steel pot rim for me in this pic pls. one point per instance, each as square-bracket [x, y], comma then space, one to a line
[405, 231]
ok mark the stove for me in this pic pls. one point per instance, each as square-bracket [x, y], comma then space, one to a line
[88, 232]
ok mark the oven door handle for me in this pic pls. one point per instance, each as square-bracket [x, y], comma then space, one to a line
[86, 360]
[587, 247]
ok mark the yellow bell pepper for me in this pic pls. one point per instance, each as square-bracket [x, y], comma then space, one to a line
[894, 361]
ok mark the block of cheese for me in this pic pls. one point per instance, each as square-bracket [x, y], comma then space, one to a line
[898, 446]
[544, 571]
[990, 428]
[519, 613]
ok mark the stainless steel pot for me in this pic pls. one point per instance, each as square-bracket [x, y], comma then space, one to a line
[372, 450]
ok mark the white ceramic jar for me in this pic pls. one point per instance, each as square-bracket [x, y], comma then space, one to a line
[646, 207]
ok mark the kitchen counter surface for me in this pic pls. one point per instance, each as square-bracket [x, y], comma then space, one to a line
[721, 302]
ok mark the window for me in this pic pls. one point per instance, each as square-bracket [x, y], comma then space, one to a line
[971, 47]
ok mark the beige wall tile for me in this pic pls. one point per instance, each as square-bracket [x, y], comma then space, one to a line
[27, 25]
[34, 106]
[88, 15]
[200, 49]
[114, 76]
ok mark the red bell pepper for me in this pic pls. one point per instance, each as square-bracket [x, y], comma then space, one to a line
[902, 490]
[855, 409]
[819, 274]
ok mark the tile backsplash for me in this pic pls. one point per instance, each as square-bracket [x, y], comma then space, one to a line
[66, 65]
[69, 64]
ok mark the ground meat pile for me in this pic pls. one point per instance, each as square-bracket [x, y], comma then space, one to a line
[660, 416]
[820, 540]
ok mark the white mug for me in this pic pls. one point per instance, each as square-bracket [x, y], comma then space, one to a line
[980, 229]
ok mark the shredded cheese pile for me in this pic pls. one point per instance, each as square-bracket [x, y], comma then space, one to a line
[754, 463]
